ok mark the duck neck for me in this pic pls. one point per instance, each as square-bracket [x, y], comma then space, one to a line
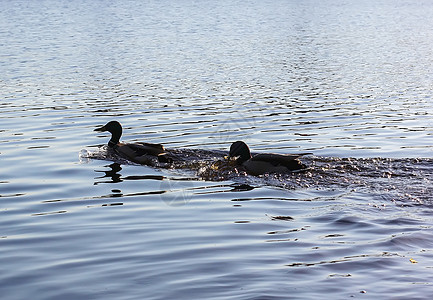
[115, 138]
[112, 143]
[243, 157]
[241, 160]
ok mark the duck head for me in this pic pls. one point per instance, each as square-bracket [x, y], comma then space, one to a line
[115, 129]
[240, 151]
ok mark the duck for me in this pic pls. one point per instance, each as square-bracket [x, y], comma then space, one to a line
[141, 153]
[266, 162]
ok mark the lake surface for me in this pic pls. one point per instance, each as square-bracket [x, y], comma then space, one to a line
[349, 81]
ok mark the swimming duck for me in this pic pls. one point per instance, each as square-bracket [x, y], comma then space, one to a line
[141, 153]
[266, 162]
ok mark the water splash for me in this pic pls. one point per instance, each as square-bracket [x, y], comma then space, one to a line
[403, 181]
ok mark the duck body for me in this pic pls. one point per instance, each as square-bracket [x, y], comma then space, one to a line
[141, 153]
[266, 162]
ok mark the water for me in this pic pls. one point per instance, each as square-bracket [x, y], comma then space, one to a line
[348, 81]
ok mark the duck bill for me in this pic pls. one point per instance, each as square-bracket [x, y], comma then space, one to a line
[101, 129]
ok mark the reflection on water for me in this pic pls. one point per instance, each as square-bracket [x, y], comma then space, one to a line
[112, 173]
[406, 180]
[349, 82]
[116, 177]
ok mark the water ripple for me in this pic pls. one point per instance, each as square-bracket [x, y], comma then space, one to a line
[349, 82]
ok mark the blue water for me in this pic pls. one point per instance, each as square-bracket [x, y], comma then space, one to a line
[349, 81]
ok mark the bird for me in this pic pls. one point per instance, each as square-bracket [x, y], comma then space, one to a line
[141, 153]
[266, 162]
